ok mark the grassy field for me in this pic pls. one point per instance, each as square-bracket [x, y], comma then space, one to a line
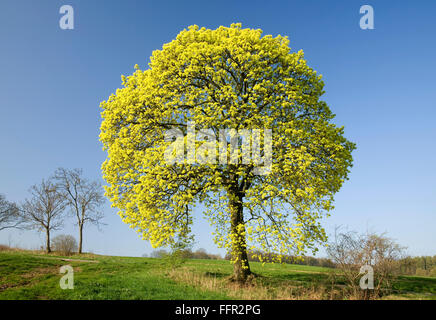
[32, 275]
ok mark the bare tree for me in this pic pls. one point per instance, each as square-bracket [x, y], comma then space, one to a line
[9, 214]
[82, 196]
[44, 211]
[65, 244]
[350, 251]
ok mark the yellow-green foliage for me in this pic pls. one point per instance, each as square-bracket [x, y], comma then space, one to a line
[225, 78]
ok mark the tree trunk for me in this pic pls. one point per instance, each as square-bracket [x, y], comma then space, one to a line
[47, 244]
[80, 237]
[241, 267]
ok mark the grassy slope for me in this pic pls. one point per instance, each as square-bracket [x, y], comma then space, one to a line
[30, 276]
[27, 275]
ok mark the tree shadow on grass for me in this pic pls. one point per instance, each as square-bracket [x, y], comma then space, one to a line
[219, 275]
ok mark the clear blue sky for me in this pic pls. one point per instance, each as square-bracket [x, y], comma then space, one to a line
[380, 83]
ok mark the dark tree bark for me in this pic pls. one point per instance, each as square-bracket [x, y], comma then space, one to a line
[80, 238]
[241, 267]
[47, 245]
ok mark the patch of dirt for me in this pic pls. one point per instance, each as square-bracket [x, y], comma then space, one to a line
[7, 286]
[30, 277]
[79, 260]
[72, 260]
[39, 272]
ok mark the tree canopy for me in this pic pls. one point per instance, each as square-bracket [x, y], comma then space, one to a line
[203, 82]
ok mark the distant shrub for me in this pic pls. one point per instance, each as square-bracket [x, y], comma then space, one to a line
[4, 247]
[178, 254]
[351, 251]
[64, 244]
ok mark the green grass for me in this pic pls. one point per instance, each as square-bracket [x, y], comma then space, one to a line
[29, 275]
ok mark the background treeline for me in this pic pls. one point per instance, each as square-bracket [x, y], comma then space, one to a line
[186, 254]
[252, 256]
[306, 260]
[419, 266]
